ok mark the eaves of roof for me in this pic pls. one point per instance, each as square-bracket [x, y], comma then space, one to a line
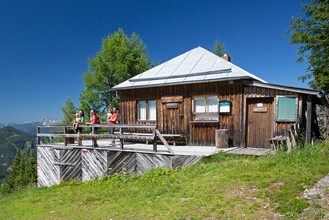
[179, 83]
[281, 87]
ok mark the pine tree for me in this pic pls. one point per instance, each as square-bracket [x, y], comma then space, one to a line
[31, 169]
[311, 34]
[23, 172]
[21, 180]
[68, 111]
[15, 171]
[119, 59]
[218, 48]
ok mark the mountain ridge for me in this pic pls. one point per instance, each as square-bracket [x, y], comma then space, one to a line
[12, 140]
[30, 127]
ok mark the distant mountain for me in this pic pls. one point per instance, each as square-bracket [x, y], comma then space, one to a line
[30, 127]
[12, 140]
[48, 121]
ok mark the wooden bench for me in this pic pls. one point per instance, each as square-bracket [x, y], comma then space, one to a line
[286, 142]
[278, 143]
[173, 137]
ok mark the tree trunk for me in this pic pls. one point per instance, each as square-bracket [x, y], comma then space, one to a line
[327, 123]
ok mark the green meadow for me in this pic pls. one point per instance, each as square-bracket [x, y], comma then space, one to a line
[222, 186]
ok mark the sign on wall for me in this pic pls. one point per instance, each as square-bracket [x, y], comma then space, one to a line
[286, 108]
[225, 106]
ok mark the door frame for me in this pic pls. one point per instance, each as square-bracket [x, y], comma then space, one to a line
[246, 119]
[178, 108]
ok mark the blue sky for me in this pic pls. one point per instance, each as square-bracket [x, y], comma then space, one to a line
[45, 44]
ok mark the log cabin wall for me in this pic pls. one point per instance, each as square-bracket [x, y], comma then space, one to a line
[279, 128]
[195, 133]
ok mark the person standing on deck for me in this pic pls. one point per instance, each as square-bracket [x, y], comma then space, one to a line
[112, 121]
[78, 130]
[94, 119]
[109, 115]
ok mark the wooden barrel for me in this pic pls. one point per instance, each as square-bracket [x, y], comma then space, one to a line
[221, 138]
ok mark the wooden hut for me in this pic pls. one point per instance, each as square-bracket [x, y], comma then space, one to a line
[197, 94]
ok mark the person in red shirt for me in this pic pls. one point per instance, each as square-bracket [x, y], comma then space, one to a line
[112, 121]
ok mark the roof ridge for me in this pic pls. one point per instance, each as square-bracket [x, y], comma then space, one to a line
[194, 66]
[246, 72]
[188, 52]
[198, 61]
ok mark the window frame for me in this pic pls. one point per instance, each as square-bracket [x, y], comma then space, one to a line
[209, 116]
[277, 108]
[147, 110]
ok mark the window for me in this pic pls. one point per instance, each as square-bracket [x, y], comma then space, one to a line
[152, 110]
[205, 108]
[141, 106]
[286, 108]
[146, 110]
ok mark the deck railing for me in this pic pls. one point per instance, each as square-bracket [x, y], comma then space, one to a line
[100, 131]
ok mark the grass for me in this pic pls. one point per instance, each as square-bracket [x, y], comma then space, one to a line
[220, 187]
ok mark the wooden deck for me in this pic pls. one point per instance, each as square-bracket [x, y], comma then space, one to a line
[124, 145]
[64, 161]
[248, 151]
[105, 144]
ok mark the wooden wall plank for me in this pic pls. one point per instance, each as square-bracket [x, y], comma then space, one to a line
[279, 128]
[234, 122]
[183, 160]
[119, 162]
[48, 172]
[170, 99]
[147, 161]
[94, 164]
[73, 171]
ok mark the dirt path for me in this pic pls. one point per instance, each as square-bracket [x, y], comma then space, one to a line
[318, 195]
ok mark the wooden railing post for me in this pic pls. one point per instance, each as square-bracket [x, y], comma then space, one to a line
[155, 141]
[309, 119]
[65, 139]
[93, 135]
[163, 141]
[38, 137]
[121, 139]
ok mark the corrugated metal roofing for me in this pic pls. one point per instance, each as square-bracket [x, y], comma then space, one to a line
[194, 66]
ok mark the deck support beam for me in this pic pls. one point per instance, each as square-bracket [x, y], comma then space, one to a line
[309, 119]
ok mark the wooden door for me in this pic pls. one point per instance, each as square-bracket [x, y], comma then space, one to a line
[172, 118]
[259, 122]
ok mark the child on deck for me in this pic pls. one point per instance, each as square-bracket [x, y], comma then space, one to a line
[79, 119]
[76, 121]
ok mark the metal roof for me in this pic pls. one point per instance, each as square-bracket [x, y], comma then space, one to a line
[195, 66]
[285, 88]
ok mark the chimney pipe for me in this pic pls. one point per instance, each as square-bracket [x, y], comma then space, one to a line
[226, 57]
